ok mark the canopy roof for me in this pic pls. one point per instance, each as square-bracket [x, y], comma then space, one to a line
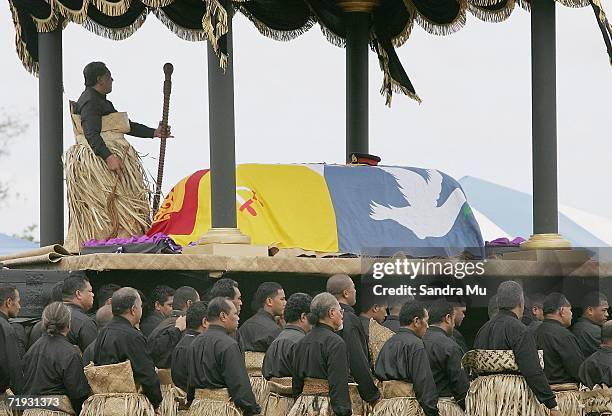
[196, 20]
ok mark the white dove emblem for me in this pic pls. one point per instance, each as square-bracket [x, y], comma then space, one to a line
[422, 216]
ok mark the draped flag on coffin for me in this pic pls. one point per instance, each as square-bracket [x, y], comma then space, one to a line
[333, 208]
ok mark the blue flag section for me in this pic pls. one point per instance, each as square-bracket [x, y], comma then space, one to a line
[420, 212]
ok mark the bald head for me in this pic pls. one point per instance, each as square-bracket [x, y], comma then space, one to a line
[104, 316]
[342, 287]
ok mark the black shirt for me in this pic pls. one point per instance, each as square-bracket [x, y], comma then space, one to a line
[445, 362]
[597, 369]
[215, 362]
[322, 354]
[148, 324]
[506, 332]
[11, 375]
[163, 339]
[83, 328]
[258, 332]
[91, 106]
[278, 360]
[562, 355]
[180, 359]
[403, 357]
[460, 340]
[120, 341]
[392, 322]
[53, 366]
[356, 341]
[588, 335]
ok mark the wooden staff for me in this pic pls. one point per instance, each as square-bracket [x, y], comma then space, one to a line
[168, 69]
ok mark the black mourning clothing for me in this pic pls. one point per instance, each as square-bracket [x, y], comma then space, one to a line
[562, 355]
[588, 335]
[83, 328]
[258, 332]
[392, 322]
[91, 106]
[163, 339]
[120, 341]
[322, 354]
[148, 324]
[506, 332]
[597, 369]
[53, 366]
[278, 360]
[180, 359]
[403, 357]
[11, 375]
[215, 362]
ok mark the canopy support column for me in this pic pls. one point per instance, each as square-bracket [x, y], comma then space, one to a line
[544, 128]
[357, 83]
[222, 139]
[50, 88]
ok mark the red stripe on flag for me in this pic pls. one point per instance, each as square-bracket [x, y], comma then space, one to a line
[183, 221]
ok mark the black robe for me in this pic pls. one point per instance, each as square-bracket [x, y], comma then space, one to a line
[597, 369]
[392, 322]
[180, 359]
[163, 339]
[562, 355]
[506, 332]
[403, 357]
[445, 362]
[11, 372]
[120, 341]
[91, 106]
[322, 354]
[278, 361]
[53, 366]
[356, 341]
[83, 328]
[258, 332]
[148, 324]
[588, 335]
[215, 362]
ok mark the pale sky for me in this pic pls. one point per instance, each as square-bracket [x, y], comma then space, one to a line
[290, 104]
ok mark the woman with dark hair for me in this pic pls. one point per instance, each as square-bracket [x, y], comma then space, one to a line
[53, 366]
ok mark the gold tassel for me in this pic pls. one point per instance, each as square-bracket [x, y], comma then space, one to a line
[157, 3]
[190, 35]
[214, 33]
[27, 60]
[494, 16]
[115, 34]
[75, 16]
[437, 28]
[280, 35]
[574, 3]
[400, 39]
[112, 9]
[389, 84]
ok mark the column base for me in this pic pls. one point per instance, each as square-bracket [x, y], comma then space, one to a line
[550, 241]
[227, 242]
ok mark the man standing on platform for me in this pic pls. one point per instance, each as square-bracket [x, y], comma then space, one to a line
[168, 333]
[11, 370]
[587, 328]
[161, 302]
[354, 336]
[217, 373]
[320, 367]
[404, 359]
[445, 357]
[96, 162]
[79, 297]
[506, 332]
[196, 325]
[120, 341]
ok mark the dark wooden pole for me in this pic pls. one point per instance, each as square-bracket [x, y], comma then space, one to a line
[222, 136]
[357, 82]
[544, 117]
[51, 137]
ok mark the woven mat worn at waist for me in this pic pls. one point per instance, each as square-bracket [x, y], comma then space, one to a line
[254, 361]
[315, 386]
[564, 387]
[280, 385]
[165, 376]
[217, 395]
[396, 388]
